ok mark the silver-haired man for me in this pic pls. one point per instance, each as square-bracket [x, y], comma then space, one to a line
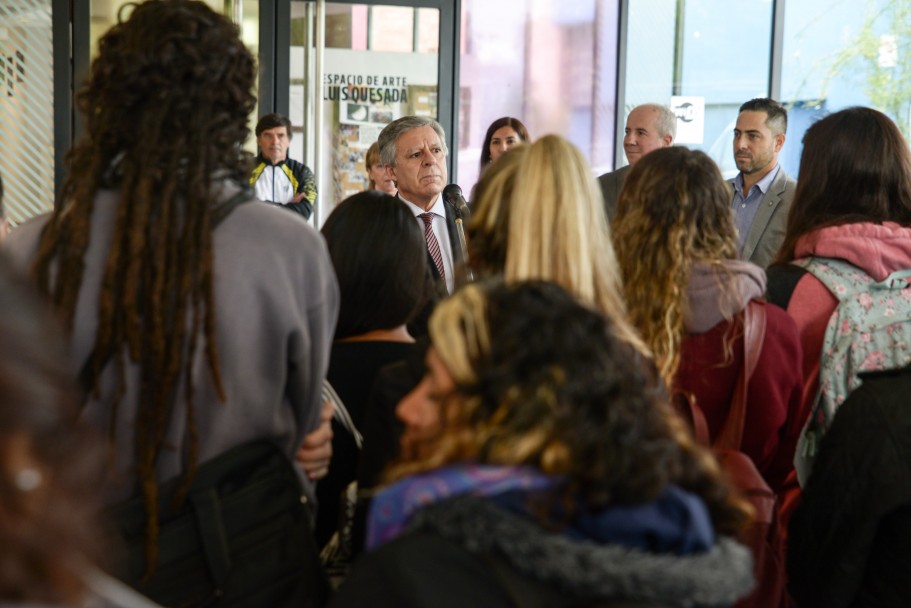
[648, 127]
[413, 148]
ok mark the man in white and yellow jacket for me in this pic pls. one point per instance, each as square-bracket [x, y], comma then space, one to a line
[277, 178]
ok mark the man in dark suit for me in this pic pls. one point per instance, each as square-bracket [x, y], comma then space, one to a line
[762, 192]
[648, 127]
[413, 148]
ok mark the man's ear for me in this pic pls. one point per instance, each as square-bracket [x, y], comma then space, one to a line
[668, 140]
[779, 141]
[390, 171]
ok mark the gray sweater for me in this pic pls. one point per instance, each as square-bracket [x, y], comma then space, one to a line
[276, 301]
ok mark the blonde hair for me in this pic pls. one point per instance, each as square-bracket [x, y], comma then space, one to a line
[673, 212]
[543, 380]
[539, 214]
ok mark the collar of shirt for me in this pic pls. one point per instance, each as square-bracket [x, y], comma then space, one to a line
[438, 208]
[762, 184]
[262, 159]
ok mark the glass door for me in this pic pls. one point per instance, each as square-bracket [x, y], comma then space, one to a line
[27, 90]
[354, 68]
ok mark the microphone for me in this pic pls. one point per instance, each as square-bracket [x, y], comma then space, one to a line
[452, 194]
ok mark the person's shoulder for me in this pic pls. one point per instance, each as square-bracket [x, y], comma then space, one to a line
[618, 174]
[269, 225]
[298, 167]
[781, 326]
[784, 181]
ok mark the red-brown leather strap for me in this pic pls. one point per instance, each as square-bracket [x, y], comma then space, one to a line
[754, 322]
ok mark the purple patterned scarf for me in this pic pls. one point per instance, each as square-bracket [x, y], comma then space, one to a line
[393, 507]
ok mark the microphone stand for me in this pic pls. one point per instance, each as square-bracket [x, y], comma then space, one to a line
[463, 244]
[452, 194]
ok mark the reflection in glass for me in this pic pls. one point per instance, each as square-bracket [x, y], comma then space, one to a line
[104, 14]
[693, 49]
[841, 54]
[26, 108]
[550, 63]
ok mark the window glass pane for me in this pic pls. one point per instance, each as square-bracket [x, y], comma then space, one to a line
[714, 53]
[26, 108]
[549, 63]
[840, 54]
[392, 29]
[428, 30]
[376, 68]
[104, 14]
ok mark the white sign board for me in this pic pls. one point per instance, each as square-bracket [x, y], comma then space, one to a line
[690, 113]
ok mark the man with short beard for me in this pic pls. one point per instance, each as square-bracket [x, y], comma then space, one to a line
[762, 191]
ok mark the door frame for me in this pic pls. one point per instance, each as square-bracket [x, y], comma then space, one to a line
[275, 68]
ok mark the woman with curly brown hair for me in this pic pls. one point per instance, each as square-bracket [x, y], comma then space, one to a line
[686, 291]
[554, 472]
[197, 331]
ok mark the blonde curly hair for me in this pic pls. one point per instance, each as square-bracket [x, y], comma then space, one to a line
[543, 380]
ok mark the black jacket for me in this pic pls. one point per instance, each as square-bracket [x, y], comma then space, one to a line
[468, 552]
[850, 538]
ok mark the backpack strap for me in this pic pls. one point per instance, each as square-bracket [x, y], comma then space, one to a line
[836, 273]
[838, 276]
[219, 213]
[896, 280]
[686, 405]
[754, 323]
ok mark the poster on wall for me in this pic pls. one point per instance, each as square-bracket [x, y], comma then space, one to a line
[364, 91]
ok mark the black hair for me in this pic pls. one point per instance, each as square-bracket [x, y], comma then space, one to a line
[776, 114]
[271, 121]
[380, 259]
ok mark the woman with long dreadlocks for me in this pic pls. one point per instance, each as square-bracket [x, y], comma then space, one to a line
[196, 331]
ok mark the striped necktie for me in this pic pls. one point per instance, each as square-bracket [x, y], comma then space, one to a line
[433, 245]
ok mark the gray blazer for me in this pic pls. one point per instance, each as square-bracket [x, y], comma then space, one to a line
[611, 183]
[767, 230]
